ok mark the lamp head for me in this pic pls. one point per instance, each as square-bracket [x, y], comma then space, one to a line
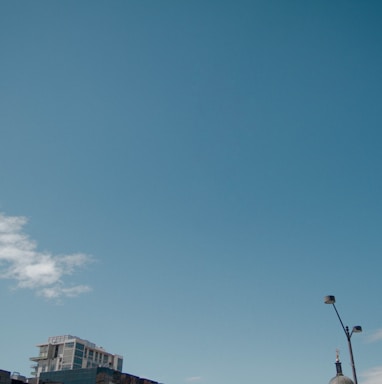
[357, 329]
[329, 299]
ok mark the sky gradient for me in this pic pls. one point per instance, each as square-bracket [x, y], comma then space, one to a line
[183, 182]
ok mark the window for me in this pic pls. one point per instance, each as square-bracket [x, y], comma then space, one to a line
[80, 346]
[77, 362]
[119, 365]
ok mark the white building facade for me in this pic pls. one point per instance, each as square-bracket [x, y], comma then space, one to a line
[70, 352]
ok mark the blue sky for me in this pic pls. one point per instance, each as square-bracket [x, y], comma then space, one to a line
[182, 182]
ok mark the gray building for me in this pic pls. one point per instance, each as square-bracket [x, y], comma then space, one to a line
[62, 353]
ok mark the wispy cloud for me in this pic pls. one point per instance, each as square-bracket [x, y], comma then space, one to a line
[193, 379]
[40, 271]
[375, 336]
[372, 376]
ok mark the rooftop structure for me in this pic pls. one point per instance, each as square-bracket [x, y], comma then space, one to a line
[340, 378]
[6, 377]
[99, 375]
[70, 352]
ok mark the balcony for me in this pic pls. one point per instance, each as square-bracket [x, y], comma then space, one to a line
[42, 356]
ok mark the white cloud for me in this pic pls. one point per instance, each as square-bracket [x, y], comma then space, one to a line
[41, 271]
[372, 376]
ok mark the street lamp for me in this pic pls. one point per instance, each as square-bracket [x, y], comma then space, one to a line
[356, 329]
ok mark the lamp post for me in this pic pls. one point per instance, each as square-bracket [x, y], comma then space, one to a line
[356, 329]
